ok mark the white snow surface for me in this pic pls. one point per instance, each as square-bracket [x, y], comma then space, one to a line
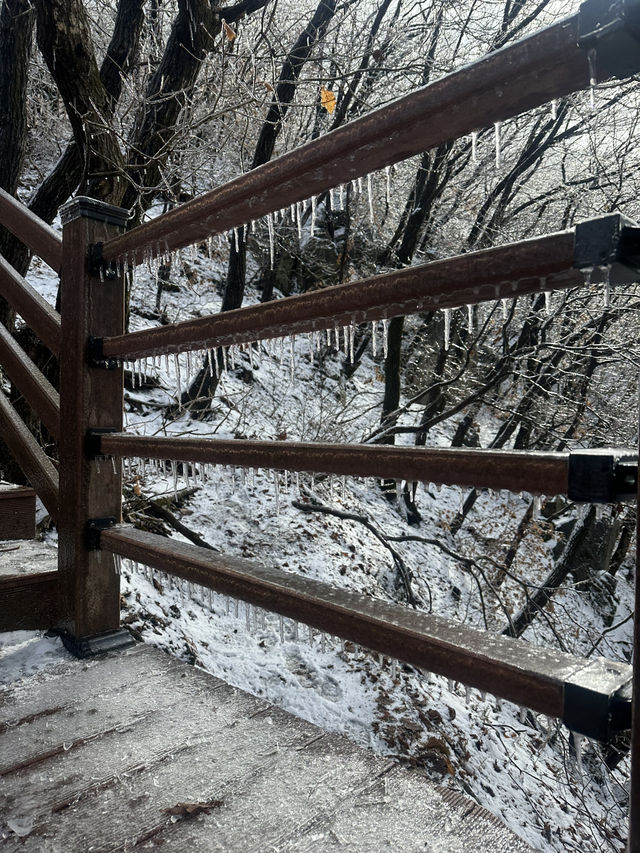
[519, 765]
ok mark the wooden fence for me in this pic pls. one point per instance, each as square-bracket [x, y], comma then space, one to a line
[592, 696]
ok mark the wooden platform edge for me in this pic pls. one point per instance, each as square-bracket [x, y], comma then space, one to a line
[28, 602]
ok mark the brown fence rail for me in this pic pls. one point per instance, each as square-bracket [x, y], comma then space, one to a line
[36, 388]
[538, 473]
[33, 461]
[533, 71]
[31, 230]
[546, 681]
[34, 310]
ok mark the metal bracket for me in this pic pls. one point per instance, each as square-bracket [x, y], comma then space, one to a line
[602, 476]
[99, 644]
[612, 29]
[94, 527]
[92, 440]
[609, 247]
[96, 357]
[97, 266]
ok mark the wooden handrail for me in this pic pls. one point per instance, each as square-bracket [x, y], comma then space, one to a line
[30, 381]
[543, 263]
[530, 72]
[34, 232]
[536, 472]
[549, 682]
[35, 464]
[34, 310]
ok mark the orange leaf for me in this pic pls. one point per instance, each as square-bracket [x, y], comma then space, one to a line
[230, 33]
[327, 99]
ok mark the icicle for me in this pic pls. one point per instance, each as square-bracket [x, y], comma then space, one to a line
[337, 334]
[505, 309]
[394, 668]
[599, 512]
[276, 485]
[178, 380]
[370, 197]
[497, 128]
[352, 337]
[299, 219]
[593, 80]
[359, 185]
[385, 342]
[474, 146]
[554, 109]
[281, 627]
[537, 507]
[467, 693]
[332, 203]
[345, 339]
[247, 613]
[312, 229]
[387, 189]
[607, 286]
[447, 327]
[450, 685]
[341, 196]
[577, 743]
[547, 302]
[224, 360]
[374, 341]
[174, 467]
[470, 319]
[272, 240]
[522, 715]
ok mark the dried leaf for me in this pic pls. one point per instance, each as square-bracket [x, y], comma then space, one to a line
[228, 31]
[193, 809]
[327, 99]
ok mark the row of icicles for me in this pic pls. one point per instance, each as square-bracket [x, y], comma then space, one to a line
[299, 212]
[225, 358]
[256, 620]
[186, 476]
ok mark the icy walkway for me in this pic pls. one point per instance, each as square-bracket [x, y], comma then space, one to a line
[140, 750]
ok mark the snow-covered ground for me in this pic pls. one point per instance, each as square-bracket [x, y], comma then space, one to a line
[517, 764]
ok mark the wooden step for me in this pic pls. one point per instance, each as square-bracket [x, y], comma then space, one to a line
[17, 512]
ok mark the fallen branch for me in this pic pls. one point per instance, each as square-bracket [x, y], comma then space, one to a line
[404, 572]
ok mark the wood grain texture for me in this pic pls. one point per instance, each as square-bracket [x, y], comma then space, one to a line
[101, 755]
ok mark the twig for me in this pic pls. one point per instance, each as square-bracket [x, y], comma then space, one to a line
[403, 570]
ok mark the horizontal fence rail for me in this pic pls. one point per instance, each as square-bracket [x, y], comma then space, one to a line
[506, 271]
[533, 71]
[588, 695]
[538, 473]
[34, 310]
[32, 384]
[35, 464]
[605, 247]
[39, 237]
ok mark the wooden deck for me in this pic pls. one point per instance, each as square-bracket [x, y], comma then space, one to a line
[113, 754]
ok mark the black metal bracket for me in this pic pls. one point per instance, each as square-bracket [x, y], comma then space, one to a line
[92, 440]
[99, 644]
[602, 476]
[96, 357]
[612, 29]
[94, 527]
[97, 266]
[609, 248]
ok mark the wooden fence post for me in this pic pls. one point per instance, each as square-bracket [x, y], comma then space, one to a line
[91, 305]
